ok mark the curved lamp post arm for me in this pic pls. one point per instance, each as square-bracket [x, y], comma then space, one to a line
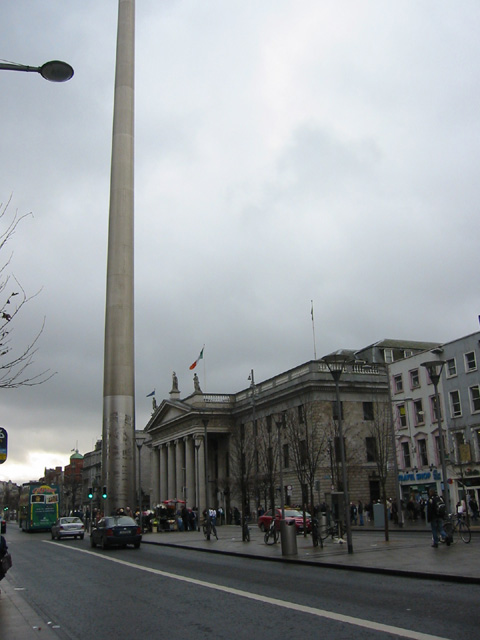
[54, 71]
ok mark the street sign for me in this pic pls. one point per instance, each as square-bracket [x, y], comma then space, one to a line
[3, 445]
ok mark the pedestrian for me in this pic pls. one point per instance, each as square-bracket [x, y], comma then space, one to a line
[236, 515]
[185, 518]
[353, 513]
[473, 504]
[360, 513]
[435, 516]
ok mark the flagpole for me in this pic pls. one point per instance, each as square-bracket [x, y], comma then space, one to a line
[204, 371]
[314, 341]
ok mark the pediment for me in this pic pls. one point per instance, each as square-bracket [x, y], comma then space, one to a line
[166, 413]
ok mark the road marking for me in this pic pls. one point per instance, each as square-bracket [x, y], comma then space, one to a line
[320, 613]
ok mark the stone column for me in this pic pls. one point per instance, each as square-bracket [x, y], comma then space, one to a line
[190, 466]
[200, 467]
[155, 477]
[180, 466]
[163, 473]
[171, 471]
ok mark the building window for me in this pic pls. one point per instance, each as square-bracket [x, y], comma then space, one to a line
[418, 410]
[335, 409]
[451, 368]
[388, 355]
[269, 424]
[368, 410]
[475, 398]
[402, 415]
[414, 379]
[397, 383]
[407, 463]
[455, 405]
[470, 362]
[338, 453]
[301, 414]
[407, 353]
[371, 446]
[286, 456]
[422, 452]
[437, 447]
[302, 449]
[434, 410]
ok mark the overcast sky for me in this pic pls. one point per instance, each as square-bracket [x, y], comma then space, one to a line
[286, 151]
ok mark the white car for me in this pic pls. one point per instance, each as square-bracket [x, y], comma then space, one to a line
[68, 527]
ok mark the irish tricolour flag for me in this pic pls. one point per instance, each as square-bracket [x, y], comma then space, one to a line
[200, 357]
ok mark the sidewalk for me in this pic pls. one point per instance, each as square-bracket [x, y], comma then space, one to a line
[408, 551]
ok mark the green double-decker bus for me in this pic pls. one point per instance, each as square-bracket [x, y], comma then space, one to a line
[38, 506]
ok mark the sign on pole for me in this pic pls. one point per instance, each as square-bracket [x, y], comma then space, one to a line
[3, 445]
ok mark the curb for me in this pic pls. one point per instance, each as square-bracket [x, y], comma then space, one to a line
[330, 565]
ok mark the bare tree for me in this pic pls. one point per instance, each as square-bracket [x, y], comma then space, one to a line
[379, 450]
[267, 456]
[14, 369]
[243, 461]
[307, 440]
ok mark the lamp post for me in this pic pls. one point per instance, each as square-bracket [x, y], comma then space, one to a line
[280, 465]
[139, 447]
[251, 377]
[336, 363]
[434, 369]
[54, 71]
[198, 444]
[205, 469]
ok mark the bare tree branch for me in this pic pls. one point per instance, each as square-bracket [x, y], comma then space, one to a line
[15, 369]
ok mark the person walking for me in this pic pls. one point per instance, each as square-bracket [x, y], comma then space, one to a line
[435, 516]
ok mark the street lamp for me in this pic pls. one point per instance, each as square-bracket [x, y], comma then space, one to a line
[139, 447]
[251, 377]
[336, 363]
[54, 71]
[434, 369]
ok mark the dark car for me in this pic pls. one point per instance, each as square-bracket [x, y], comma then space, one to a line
[3, 526]
[116, 531]
[291, 516]
[68, 527]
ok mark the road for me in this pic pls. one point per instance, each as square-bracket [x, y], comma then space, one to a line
[176, 593]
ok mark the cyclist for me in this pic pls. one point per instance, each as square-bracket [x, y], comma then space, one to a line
[435, 516]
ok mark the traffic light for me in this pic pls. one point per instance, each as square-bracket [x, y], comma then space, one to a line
[90, 493]
[104, 493]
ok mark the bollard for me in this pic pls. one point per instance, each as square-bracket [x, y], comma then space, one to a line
[288, 536]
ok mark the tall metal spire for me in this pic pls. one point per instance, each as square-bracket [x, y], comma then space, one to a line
[118, 448]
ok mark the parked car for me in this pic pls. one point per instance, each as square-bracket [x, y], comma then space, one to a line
[116, 531]
[3, 526]
[291, 515]
[68, 527]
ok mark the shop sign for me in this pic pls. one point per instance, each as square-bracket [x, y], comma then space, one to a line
[419, 476]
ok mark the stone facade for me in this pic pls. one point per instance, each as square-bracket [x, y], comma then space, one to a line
[293, 414]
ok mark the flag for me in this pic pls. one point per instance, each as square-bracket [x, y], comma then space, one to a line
[200, 357]
[151, 394]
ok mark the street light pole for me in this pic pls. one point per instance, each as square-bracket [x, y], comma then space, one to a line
[336, 363]
[54, 71]
[139, 447]
[434, 369]
[198, 444]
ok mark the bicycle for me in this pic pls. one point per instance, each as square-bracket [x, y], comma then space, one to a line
[455, 524]
[329, 530]
[271, 534]
[209, 529]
